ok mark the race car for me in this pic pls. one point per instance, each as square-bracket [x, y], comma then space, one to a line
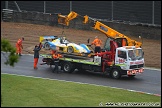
[63, 44]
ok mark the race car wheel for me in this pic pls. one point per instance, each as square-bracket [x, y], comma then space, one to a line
[70, 49]
[68, 67]
[115, 74]
[46, 46]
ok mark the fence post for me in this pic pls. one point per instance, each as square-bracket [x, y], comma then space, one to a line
[44, 7]
[70, 6]
[112, 10]
[152, 12]
[6, 4]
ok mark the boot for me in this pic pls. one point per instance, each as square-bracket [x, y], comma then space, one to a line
[35, 68]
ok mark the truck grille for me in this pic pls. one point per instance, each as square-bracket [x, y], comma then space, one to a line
[136, 66]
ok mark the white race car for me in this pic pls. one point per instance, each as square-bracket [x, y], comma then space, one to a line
[63, 45]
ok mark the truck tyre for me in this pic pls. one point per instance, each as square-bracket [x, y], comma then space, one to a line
[68, 67]
[115, 74]
[46, 46]
[70, 49]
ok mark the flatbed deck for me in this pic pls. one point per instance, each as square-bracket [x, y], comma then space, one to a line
[74, 58]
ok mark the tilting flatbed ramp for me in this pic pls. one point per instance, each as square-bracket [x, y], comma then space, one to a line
[77, 59]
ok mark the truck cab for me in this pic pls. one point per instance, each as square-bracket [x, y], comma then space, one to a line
[130, 61]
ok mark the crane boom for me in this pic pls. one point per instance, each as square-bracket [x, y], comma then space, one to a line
[109, 32]
[65, 19]
[114, 34]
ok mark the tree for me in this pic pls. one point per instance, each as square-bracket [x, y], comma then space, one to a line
[12, 58]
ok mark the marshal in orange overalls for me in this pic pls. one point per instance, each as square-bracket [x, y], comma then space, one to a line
[56, 57]
[36, 54]
[19, 46]
[97, 42]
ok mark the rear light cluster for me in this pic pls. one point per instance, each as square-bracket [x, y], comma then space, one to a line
[133, 72]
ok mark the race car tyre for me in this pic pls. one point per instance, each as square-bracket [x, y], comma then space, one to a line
[46, 46]
[68, 67]
[115, 74]
[70, 49]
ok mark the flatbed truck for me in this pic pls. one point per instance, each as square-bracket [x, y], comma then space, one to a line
[118, 61]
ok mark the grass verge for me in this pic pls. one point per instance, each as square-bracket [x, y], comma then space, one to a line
[19, 91]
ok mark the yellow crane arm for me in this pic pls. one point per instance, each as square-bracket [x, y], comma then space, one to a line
[65, 19]
[109, 32]
[114, 34]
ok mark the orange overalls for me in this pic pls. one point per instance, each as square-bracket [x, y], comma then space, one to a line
[124, 42]
[56, 61]
[97, 42]
[56, 56]
[35, 62]
[19, 47]
[53, 52]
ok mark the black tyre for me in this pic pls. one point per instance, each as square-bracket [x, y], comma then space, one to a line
[68, 67]
[46, 46]
[70, 49]
[115, 74]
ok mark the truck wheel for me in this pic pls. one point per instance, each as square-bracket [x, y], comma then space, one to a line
[70, 49]
[46, 46]
[68, 67]
[115, 74]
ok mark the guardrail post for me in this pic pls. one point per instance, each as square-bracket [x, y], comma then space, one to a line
[152, 12]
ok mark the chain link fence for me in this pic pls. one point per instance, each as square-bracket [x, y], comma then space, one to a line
[131, 12]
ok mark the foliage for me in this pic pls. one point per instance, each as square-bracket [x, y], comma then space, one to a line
[12, 58]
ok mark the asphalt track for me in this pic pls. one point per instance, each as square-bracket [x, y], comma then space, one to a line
[148, 82]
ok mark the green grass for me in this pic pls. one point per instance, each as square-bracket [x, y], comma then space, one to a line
[19, 91]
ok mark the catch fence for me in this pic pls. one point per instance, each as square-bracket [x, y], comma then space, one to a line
[132, 12]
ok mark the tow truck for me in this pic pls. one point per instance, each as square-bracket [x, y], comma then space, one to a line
[116, 58]
[117, 62]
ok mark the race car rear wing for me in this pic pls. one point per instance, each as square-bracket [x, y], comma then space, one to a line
[41, 38]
